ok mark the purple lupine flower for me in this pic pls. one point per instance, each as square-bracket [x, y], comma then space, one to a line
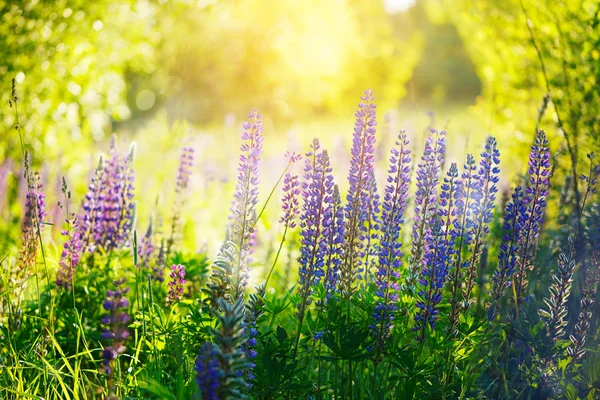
[531, 216]
[92, 206]
[115, 322]
[371, 234]
[507, 257]
[427, 178]
[186, 162]
[481, 212]
[230, 269]
[208, 371]
[70, 255]
[439, 253]
[334, 231]
[176, 285]
[108, 208]
[33, 218]
[390, 246]
[466, 191]
[315, 220]
[356, 210]
[146, 248]
[291, 190]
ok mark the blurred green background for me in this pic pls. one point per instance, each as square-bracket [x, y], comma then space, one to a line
[171, 73]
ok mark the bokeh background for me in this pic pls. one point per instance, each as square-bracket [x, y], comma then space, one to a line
[172, 73]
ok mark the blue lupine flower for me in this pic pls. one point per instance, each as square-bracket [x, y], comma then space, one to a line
[357, 206]
[390, 246]
[439, 251]
[208, 371]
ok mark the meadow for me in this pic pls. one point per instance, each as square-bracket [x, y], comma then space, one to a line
[331, 244]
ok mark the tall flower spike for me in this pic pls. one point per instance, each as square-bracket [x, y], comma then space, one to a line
[33, 218]
[371, 233]
[186, 162]
[335, 243]
[234, 257]
[70, 255]
[92, 208]
[315, 220]
[466, 193]
[507, 257]
[208, 372]
[532, 213]
[390, 247]
[482, 212]
[291, 207]
[115, 322]
[361, 168]
[176, 285]
[254, 310]
[592, 276]
[560, 290]
[439, 253]
[428, 177]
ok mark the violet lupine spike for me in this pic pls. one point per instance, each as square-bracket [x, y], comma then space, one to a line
[357, 199]
[146, 248]
[127, 206]
[586, 305]
[290, 206]
[246, 197]
[176, 284]
[315, 219]
[69, 259]
[390, 246]
[115, 322]
[532, 214]
[91, 209]
[208, 371]
[33, 218]
[507, 257]
[482, 212]
[427, 178]
[186, 163]
[230, 270]
[370, 233]
[438, 257]
[466, 192]
[335, 243]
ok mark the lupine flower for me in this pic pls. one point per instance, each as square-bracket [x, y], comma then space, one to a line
[230, 272]
[370, 235]
[291, 207]
[115, 322]
[507, 257]
[439, 252]
[91, 209]
[334, 231]
[592, 277]
[482, 211]
[186, 163]
[207, 371]
[146, 248]
[35, 212]
[390, 246]
[176, 285]
[356, 210]
[531, 215]
[315, 218]
[428, 172]
[560, 290]
[70, 255]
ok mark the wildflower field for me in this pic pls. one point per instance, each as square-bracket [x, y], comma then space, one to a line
[162, 238]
